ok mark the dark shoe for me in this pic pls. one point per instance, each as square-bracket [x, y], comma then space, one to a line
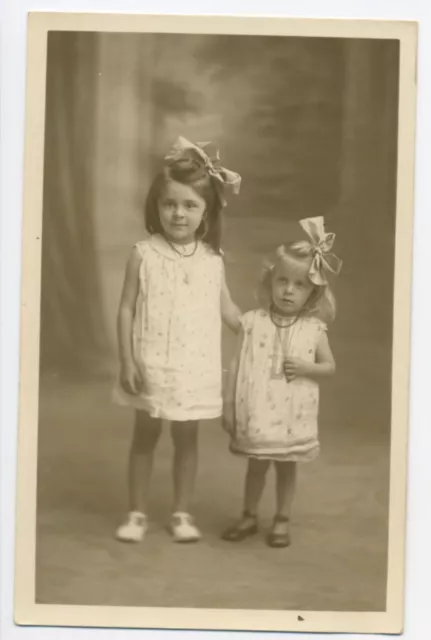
[279, 539]
[239, 532]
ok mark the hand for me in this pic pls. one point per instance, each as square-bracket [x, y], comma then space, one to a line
[228, 418]
[295, 368]
[131, 379]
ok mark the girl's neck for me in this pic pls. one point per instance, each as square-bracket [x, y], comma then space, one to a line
[187, 242]
[274, 310]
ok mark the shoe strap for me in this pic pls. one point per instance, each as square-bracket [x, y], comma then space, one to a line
[137, 517]
[182, 517]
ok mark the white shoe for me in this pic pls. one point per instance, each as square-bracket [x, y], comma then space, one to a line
[183, 528]
[134, 529]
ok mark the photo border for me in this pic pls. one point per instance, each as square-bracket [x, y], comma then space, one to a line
[26, 610]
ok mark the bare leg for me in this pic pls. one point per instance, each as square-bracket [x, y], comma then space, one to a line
[279, 536]
[185, 438]
[286, 483]
[145, 437]
[254, 484]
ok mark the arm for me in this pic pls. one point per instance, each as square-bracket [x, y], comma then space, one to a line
[230, 386]
[323, 366]
[129, 372]
[325, 363]
[229, 311]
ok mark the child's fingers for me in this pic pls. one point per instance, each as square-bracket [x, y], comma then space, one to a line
[138, 383]
[131, 385]
[290, 369]
[134, 384]
[126, 385]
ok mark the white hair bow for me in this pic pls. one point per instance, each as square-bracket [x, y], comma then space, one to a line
[203, 155]
[324, 260]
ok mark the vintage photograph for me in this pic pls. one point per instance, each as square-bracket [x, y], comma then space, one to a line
[215, 301]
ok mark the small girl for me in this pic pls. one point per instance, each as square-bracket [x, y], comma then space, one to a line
[271, 398]
[169, 326]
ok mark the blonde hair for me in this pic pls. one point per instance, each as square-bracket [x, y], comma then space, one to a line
[321, 303]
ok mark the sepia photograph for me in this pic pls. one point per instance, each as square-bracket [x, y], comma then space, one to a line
[215, 323]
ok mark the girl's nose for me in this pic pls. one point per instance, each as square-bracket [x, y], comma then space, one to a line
[178, 212]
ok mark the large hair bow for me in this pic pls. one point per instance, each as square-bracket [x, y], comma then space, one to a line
[324, 260]
[203, 155]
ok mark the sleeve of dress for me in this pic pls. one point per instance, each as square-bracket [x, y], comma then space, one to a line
[141, 247]
[320, 327]
[323, 326]
[246, 321]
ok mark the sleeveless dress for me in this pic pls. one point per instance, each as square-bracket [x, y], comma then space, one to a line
[177, 333]
[276, 419]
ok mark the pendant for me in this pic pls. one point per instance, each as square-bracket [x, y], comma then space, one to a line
[186, 279]
[277, 372]
[277, 368]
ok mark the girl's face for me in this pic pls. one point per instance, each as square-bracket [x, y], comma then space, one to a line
[291, 286]
[181, 210]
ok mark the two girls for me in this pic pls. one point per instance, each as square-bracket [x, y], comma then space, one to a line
[169, 329]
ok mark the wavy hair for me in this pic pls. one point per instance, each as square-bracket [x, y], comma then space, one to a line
[321, 303]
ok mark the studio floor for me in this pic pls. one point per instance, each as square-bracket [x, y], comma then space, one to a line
[337, 561]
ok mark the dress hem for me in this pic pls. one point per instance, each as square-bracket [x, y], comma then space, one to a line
[139, 404]
[307, 456]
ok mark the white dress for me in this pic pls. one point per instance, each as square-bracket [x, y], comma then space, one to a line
[276, 419]
[177, 333]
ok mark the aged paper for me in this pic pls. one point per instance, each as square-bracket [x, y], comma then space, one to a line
[105, 95]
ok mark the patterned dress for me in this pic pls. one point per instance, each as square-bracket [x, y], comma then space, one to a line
[177, 332]
[276, 419]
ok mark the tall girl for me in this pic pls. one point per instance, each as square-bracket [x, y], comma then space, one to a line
[169, 326]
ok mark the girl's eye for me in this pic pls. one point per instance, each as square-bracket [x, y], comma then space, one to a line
[191, 205]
